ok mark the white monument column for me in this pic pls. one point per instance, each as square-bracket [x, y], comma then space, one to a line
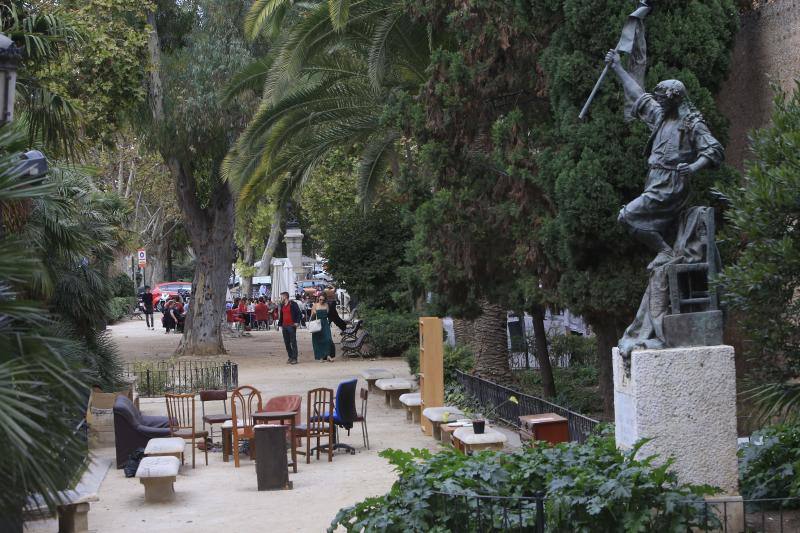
[294, 248]
[684, 399]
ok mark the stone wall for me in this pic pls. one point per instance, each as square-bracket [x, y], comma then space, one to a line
[767, 51]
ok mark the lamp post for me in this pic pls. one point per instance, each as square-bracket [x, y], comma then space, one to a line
[9, 60]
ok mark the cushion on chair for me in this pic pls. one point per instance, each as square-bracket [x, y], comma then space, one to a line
[216, 419]
[186, 433]
[436, 414]
[394, 384]
[229, 423]
[165, 445]
[376, 373]
[290, 402]
[489, 436]
[163, 466]
[411, 399]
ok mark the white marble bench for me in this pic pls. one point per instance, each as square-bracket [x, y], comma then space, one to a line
[158, 474]
[413, 402]
[437, 415]
[393, 388]
[371, 375]
[165, 446]
[468, 441]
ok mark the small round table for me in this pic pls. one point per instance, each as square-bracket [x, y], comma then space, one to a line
[281, 417]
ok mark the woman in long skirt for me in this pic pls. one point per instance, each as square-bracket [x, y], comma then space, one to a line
[322, 340]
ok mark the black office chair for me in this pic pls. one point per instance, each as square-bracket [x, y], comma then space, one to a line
[344, 413]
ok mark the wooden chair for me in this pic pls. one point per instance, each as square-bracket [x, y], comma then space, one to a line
[180, 411]
[245, 401]
[362, 416]
[211, 419]
[319, 422]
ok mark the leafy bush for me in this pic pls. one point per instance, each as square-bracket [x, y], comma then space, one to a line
[122, 286]
[119, 306]
[391, 332]
[411, 355]
[456, 358]
[576, 387]
[589, 487]
[771, 469]
[581, 350]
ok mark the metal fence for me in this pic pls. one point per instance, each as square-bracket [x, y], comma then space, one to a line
[468, 513]
[489, 395]
[154, 378]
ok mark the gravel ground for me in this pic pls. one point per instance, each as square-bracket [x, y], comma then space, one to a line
[219, 497]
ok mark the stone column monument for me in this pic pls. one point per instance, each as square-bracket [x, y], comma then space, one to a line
[674, 381]
[294, 247]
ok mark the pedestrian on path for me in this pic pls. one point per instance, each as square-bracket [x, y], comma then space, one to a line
[333, 314]
[322, 340]
[147, 305]
[289, 317]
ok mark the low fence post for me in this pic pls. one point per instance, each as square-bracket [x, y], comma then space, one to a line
[540, 521]
[149, 389]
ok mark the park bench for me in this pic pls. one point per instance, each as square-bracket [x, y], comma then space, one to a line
[438, 415]
[73, 511]
[393, 388]
[413, 403]
[371, 375]
[134, 311]
[165, 447]
[356, 347]
[351, 332]
[158, 475]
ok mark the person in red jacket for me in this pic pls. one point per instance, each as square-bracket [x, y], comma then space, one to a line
[289, 317]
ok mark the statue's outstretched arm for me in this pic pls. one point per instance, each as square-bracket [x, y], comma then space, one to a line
[631, 87]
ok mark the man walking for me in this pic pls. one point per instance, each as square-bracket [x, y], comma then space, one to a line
[147, 307]
[289, 317]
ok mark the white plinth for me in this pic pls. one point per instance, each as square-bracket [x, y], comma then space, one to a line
[685, 400]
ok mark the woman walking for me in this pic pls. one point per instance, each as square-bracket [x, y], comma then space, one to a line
[322, 340]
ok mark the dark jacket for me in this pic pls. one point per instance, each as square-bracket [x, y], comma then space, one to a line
[297, 316]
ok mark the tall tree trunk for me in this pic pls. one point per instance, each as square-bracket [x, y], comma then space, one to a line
[491, 345]
[168, 267]
[272, 243]
[607, 336]
[247, 281]
[464, 332]
[541, 351]
[211, 232]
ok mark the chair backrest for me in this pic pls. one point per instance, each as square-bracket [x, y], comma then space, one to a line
[214, 396]
[319, 415]
[180, 410]
[364, 394]
[290, 402]
[245, 401]
[230, 316]
[346, 412]
[124, 407]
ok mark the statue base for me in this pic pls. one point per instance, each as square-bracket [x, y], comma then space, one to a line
[684, 399]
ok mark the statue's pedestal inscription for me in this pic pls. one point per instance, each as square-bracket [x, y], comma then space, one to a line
[685, 400]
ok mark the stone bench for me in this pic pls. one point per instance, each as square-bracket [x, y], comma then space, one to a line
[413, 402]
[158, 474]
[73, 511]
[468, 442]
[437, 415]
[371, 375]
[393, 388]
[165, 447]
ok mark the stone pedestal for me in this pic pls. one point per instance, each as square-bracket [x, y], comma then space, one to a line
[685, 400]
[294, 249]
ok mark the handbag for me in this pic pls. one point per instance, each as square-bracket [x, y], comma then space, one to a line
[315, 326]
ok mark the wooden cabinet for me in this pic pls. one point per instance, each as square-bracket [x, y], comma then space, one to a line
[548, 427]
[431, 367]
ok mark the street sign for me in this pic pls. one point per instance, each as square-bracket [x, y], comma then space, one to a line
[142, 258]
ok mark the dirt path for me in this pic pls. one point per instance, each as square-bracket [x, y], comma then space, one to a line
[219, 497]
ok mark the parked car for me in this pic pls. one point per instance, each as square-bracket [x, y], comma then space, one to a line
[163, 291]
[309, 287]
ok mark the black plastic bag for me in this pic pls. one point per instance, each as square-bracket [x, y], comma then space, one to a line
[132, 464]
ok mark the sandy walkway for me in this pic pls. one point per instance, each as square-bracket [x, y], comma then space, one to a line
[219, 497]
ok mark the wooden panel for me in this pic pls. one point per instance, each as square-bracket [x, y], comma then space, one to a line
[431, 368]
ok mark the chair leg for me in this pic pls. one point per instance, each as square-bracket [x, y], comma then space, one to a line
[193, 451]
[236, 451]
[364, 433]
[205, 447]
[308, 449]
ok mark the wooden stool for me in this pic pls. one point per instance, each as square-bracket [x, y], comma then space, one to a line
[446, 431]
[413, 403]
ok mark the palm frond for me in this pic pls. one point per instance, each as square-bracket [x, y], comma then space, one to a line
[375, 161]
[339, 13]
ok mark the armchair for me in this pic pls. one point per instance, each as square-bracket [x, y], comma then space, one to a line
[133, 430]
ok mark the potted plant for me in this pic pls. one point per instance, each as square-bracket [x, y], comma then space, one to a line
[479, 422]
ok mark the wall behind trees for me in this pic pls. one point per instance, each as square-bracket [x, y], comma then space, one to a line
[765, 52]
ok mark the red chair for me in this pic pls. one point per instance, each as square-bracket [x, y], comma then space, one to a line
[262, 316]
[234, 321]
[290, 402]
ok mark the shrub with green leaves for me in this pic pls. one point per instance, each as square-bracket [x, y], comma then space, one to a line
[122, 286]
[118, 307]
[589, 487]
[771, 469]
[391, 332]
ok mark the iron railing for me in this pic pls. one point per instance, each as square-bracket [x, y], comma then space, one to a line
[154, 378]
[476, 513]
[489, 395]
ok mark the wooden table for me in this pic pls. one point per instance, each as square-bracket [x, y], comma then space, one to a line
[446, 431]
[266, 417]
[548, 427]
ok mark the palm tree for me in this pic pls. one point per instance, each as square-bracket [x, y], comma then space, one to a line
[325, 85]
[41, 387]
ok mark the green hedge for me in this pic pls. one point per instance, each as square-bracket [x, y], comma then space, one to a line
[771, 469]
[590, 487]
[391, 332]
[122, 286]
[119, 306]
[455, 358]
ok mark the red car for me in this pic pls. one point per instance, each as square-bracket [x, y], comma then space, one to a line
[163, 291]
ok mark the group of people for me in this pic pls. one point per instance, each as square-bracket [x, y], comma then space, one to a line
[174, 312]
[323, 308]
[255, 311]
